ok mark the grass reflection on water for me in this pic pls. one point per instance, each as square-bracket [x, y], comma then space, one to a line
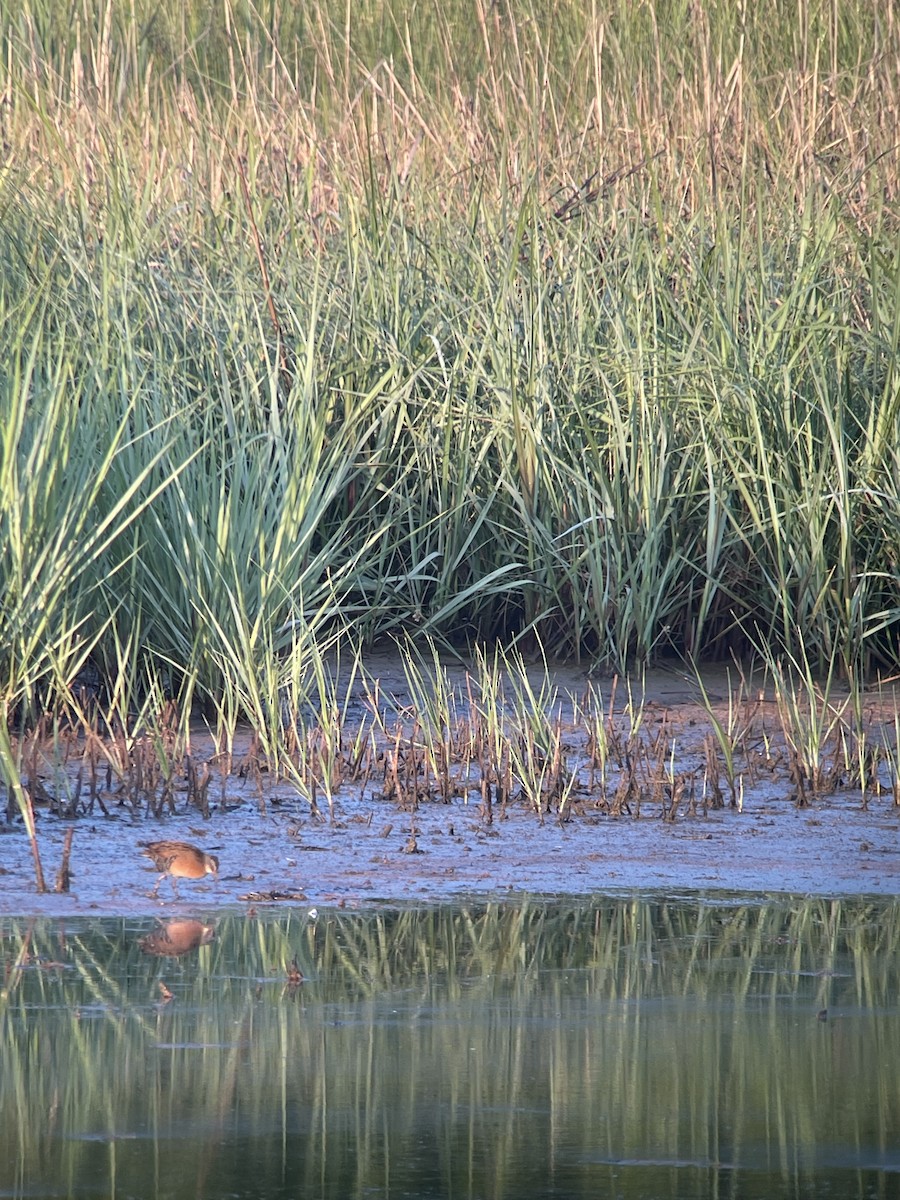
[625, 1047]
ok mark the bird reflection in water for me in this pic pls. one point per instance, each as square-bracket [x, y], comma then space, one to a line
[177, 937]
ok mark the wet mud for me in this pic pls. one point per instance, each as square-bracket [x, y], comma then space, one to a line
[368, 849]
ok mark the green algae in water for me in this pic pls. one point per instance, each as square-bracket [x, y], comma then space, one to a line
[635, 1048]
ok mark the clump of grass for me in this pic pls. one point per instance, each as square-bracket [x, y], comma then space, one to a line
[728, 739]
[810, 717]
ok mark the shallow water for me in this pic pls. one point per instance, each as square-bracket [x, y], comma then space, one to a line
[598, 1047]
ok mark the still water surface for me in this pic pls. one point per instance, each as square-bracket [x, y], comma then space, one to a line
[621, 1048]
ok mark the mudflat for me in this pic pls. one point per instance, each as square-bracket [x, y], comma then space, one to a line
[370, 845]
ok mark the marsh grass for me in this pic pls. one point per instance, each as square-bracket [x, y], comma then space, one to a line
[574, 327]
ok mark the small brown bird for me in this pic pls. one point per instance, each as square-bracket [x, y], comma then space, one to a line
[179, 860]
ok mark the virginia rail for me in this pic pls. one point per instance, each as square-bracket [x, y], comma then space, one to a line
[179, 860]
